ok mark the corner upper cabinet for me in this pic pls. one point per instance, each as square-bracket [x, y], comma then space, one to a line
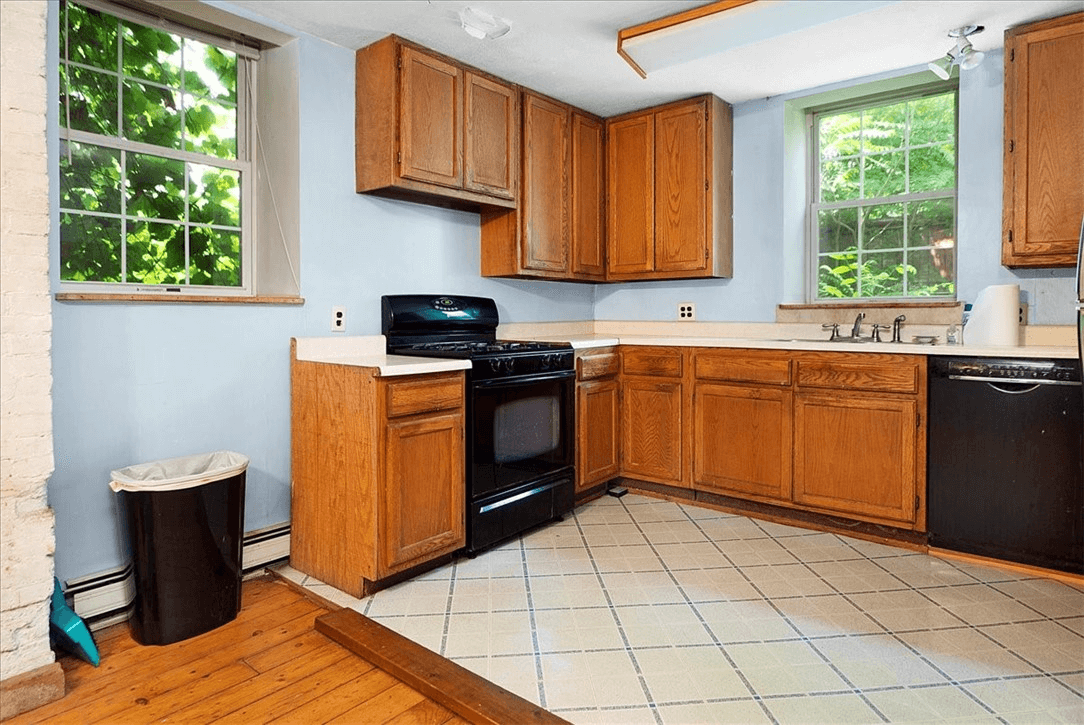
[669, 201]
[556, 231]
[1044, 153]
[431, 130]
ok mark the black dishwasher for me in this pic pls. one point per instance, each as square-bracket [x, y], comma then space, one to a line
[1005, 474]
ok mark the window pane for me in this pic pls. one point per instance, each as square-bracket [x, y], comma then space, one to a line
[932, 223]
[883, 128]
[215, 196]
[91, 37]
[933, 168]
[89, 248]
[210, 71]
[881, 274]
[882, 227]
[89, 99]
[89, 177]
[840, 135]
[152, 55]
[152, 115]
[210, 128]
[933, 119]
[840, 180]
[838, 229]
[930, 272]
[885, 175]
[155, 187]
[156, 253]
[216, 257]
[837, 275]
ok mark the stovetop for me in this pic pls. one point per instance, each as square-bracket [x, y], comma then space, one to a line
[481, 348]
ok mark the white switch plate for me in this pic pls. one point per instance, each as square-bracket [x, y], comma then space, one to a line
[338, 319]
[686, 311]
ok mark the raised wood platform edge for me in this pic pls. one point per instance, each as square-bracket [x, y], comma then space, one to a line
[446, 683]
[22, 693]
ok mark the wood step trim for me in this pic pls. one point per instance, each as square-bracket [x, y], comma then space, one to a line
[466, 694]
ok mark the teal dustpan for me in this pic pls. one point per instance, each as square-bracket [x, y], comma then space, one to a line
[68, 629]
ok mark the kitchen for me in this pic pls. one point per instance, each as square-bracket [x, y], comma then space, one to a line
[117, 368]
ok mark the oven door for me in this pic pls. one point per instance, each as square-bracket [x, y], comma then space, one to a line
[521, 430]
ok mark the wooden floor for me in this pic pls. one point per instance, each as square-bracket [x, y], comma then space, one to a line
[268, 665]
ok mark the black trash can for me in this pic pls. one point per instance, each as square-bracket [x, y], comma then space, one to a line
[185, 525]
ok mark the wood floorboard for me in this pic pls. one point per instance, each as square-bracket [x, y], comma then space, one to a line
[268, 665]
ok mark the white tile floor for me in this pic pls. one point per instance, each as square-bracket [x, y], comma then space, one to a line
[636, 610]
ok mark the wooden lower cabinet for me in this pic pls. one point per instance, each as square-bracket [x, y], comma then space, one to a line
[597, 416]
[654, 415]
[378, 472]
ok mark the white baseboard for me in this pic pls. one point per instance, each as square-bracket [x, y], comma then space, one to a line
[104, 598]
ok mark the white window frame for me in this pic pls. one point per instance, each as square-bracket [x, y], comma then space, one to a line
[813, 206]
[245, 163]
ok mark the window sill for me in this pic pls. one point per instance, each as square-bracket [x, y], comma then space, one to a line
[176, 299]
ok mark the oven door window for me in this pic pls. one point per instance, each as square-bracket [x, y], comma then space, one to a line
[522, 430]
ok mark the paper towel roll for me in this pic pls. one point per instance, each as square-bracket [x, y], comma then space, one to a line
[995, 317]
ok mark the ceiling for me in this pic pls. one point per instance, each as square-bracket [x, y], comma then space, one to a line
[568, 49]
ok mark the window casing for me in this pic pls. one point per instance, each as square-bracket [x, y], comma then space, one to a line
[156, 157]
[882, 212]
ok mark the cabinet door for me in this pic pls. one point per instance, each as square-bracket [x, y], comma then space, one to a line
[545, 185]
[424, 492]
[630, 203]
[431, 113]
[1044, 154]
[681, 194]
[856, 454]
[588, 240]
[743, 440]
[651, 429]
[596, 422]
[491, 139]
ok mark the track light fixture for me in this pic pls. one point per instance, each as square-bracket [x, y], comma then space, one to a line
[962, 54]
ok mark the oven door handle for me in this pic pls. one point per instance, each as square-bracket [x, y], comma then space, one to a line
[521, 379]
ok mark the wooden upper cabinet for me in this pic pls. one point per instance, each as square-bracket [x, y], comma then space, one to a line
[588, 193]
[546, 161]
[670, 192]
[1044, 143]
[432, 130]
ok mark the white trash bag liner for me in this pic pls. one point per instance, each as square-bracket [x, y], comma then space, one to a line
[172, 474]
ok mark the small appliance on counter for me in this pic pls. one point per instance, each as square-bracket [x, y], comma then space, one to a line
[519, 407]
[994, 318]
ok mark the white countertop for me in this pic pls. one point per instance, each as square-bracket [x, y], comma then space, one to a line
[368, 352]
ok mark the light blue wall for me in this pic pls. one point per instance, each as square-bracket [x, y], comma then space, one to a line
[136, 383]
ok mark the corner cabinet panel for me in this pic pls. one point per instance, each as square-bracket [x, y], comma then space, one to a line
[630, 179]
[597, 412]
[857, 454]
[432, 111]
[491, 143]
[422, 511]
[1044, 151]
[588, 193]
[681, 189]
[546, 162]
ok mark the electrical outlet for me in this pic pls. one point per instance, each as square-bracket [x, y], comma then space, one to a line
[338, 319]
[686, 311]
[1023, 313]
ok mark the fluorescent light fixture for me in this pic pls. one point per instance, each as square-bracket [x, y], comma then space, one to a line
[480, 24]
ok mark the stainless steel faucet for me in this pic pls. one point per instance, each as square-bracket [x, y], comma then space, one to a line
[897, 327]
[856, 331]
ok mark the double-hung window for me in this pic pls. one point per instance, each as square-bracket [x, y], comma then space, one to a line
[155, 157]
[883, 210]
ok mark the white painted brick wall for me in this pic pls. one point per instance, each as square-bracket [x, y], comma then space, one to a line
[26, 430]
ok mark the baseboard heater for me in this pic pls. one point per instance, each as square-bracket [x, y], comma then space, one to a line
[105, 598]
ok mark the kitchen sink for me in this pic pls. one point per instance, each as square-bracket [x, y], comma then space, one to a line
[857, 340]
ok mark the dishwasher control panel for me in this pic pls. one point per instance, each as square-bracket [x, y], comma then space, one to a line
[1008, 369]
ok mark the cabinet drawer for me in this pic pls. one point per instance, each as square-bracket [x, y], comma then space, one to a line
[773, 370]
[879, 377]
[602, 365]
[660, 362]
[422, 395]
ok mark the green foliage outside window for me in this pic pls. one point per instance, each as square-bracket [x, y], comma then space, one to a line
[149, 125]
[885, 209]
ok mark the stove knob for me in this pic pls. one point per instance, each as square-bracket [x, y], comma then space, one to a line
[545, 361]
[495, 365]
[509, 365]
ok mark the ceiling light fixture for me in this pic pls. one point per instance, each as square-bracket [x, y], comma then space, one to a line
[962, 54]
[480, 24]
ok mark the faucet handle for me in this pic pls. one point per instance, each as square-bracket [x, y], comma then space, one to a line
[876, 334]
[834, 327]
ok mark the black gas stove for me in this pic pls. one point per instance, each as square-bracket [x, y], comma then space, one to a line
[520, 409]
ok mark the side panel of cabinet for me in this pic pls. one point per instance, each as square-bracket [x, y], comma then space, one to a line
[743, 440]
[630, 180]
[651, 429]
[588, 192]
[491, 139]
[681, 194]
[424, 490]
[431, 108]
[857, 454]
[1044, 155]
[546, 160]
[597, 415]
